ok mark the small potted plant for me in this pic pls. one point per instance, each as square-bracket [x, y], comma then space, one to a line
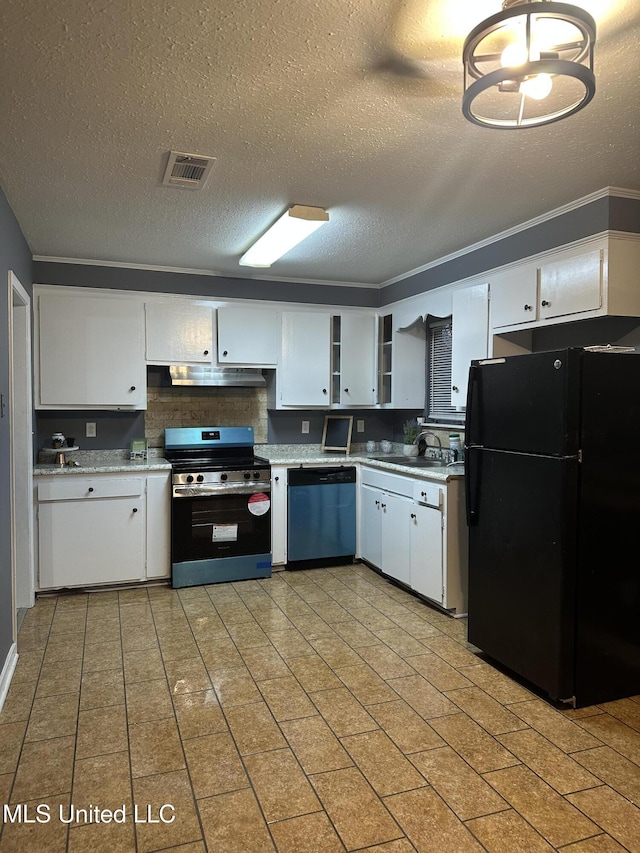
[410, 431]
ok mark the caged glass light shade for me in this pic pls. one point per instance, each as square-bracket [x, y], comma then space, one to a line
[530, 64]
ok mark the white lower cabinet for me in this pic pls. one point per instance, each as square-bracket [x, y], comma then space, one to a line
[386, 506]
[95, 529]
[370, 525]
[385, 531]
[395, 527]
[427, 528]
[414, 532]
[278, 515]
[158, 527]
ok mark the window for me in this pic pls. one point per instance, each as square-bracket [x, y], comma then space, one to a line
[438, 373]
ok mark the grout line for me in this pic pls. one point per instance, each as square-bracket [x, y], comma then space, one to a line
[287, 592]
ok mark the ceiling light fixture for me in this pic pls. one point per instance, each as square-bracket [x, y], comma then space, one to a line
[528, 65]
[291, 228]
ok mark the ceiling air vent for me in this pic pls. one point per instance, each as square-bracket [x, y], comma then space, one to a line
[187, 170]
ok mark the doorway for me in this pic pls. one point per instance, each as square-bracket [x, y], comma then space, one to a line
[21, 449]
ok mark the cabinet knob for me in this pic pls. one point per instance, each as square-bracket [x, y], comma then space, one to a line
[346, 390]
[324, 390]
[528, 307]
[544, 303]
[377, 503]
[423, 494]
[90, 489]
[133, 388]
[413, 515]
[276, 479]
[206, 352]
[135, 509]
[384, 506]
[226, 352]
[454, 388]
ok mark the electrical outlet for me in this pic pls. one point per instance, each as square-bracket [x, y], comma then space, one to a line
[305, 427]
[359, 426]
[90, 430]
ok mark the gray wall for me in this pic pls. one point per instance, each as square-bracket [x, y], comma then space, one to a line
[286, 427]
[603, 214]
[206, 286]
[608, 213]
[14, 255]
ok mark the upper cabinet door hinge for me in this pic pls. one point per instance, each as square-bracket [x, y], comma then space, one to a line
[580, 456]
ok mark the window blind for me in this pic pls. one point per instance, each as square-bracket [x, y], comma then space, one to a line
[438, 394]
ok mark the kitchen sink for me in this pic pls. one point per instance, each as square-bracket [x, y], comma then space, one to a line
[412, 461]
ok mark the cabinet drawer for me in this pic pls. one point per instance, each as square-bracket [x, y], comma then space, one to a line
[389, 482]
[73, 488]
[427, 493]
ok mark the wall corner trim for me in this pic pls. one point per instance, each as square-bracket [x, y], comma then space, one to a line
[7, 672]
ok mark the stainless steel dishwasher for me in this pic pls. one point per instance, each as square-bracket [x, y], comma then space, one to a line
[321, 528]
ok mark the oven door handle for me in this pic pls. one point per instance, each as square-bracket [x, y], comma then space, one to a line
[221, 489]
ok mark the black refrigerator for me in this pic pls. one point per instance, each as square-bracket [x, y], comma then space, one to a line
[552, 473]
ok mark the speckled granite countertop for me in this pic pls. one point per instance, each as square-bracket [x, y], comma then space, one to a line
[99, 462]
[304, 454]
[117, 462]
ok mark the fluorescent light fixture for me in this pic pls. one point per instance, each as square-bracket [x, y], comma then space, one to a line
[294, 225]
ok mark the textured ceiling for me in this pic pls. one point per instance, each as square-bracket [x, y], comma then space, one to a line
[299, 103]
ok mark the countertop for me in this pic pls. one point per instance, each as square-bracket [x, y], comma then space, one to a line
[112, 466]
[114, 462]
[305, 455]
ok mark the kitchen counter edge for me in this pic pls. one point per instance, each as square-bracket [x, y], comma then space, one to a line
[121, 467]
[442, 473]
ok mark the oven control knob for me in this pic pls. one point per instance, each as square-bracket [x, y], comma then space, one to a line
[223, 477]
[247, 475]
[200, 478]
[256, 475]
[190, 478]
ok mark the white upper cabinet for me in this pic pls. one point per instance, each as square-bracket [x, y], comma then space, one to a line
[89, 352]
[326, 360]
[248, 336]
[353, 353]
[596, 278]
[514, 296]
[178, 332]
[401, 361]
[305, 360]
[470, 336]
[571, 284]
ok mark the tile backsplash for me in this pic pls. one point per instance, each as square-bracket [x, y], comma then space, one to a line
[184, 406]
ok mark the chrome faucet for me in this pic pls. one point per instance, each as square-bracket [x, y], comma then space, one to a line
[423, 437]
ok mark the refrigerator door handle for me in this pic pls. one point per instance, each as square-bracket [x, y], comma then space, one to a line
[472, 385]
[468, 466]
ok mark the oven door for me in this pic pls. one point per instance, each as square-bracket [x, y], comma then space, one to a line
[220, 537]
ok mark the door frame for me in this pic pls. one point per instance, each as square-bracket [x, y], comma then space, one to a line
[21, 447]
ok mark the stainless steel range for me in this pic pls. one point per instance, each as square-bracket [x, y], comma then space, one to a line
[220, 508]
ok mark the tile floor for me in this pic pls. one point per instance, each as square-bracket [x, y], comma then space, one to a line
[312, 712]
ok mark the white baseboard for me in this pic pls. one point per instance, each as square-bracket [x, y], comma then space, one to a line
[7, 673]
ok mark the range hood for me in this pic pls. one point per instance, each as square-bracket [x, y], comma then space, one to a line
[229, 377]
